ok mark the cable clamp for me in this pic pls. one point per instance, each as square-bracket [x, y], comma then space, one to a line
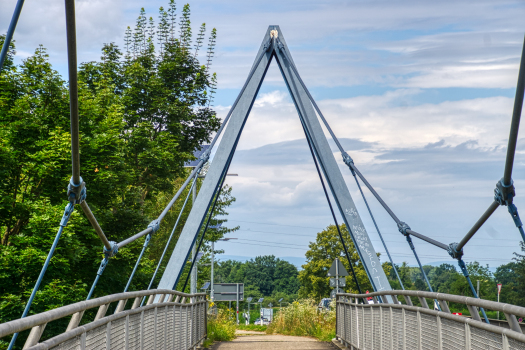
[70, 207]
[102, 266]
[108, 253]
[463, 267]
[403, 227]
[76, 194]
[348, 161]
[453, 251]
[154, 225]
[148, 238]
[504, 194]
[513, 210]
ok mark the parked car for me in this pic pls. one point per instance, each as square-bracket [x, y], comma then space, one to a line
[265, 322]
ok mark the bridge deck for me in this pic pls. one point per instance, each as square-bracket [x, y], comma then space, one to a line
[261, 341]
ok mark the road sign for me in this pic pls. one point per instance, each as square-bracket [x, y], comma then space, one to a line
[337, 269]
[270, 305]
[499, 287]
[336, 291]
[228, 291]
[342, 282]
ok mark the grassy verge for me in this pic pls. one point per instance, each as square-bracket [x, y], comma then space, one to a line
[221, 327]
[252, 327]
[302, 318]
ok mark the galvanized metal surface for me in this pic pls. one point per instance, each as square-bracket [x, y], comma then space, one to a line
[331, 170]
[214, 175]
[400, 326]
[179, 323]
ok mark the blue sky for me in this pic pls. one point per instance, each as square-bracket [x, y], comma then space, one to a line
[421, 92]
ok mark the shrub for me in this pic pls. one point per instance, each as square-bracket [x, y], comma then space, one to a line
[302, 318]
[221, 327]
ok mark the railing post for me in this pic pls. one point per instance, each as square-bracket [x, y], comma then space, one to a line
[513, 323]
[155, 326]
[136, 303]
[404, 328]
[83, 341]
[381, 325]
[34, 336]
[419, 329]
[141, 330]
[444, 306]
[474, 312]
[126, 333]
[391, 328]
[121, 305]
[108, 335]
[408, 300]
[505, 342]
[75, 320]
[150, 300]
[467, 336]
[439, 330]
[101, 311]
[423, 302]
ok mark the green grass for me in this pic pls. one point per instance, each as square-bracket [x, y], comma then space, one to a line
[252, 327]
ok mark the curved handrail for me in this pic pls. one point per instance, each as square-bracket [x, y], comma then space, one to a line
[23, 324]
[492, 305]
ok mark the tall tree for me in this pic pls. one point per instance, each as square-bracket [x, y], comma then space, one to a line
[320, 256]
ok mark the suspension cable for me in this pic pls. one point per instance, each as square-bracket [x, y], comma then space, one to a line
[10, 32]
[218, 192]
[333, 213]
[379, 232]
[169, 239]
[70, 207]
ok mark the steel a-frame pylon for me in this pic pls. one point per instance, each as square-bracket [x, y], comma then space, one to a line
[273, 45]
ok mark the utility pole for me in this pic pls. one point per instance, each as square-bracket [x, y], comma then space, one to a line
[478, 290]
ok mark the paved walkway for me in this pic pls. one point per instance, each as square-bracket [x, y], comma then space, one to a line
[262, 341]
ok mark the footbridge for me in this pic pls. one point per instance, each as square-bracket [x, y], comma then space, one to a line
[163, 318]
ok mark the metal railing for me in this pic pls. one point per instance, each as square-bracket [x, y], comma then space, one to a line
[176, 321]
[382, 326]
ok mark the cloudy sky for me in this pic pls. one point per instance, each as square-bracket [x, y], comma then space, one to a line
[420, 94]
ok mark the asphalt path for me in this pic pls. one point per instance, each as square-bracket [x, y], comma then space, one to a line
[262, 341]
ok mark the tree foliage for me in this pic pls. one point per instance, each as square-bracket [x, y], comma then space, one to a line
[263, 276]
[319, 258]
[143, 112]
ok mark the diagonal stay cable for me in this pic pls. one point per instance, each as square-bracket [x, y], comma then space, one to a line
[10, 32]
[210, 215]
[333, 213]
[379, 232]
[171, 236]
